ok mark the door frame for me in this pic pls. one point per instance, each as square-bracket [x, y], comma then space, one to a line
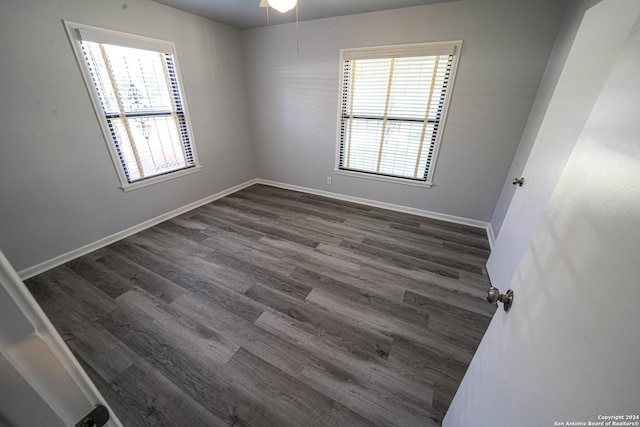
[37, 358]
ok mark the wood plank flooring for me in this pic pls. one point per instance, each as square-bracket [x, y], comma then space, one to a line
[271, 307]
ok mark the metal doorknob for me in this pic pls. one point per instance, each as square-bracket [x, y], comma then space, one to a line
[518, 181]
[494, 295]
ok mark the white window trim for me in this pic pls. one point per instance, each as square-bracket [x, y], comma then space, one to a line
[373, 177]
[414, 49]
[78, 32]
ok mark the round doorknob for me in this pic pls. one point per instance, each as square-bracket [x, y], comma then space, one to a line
[494, 296]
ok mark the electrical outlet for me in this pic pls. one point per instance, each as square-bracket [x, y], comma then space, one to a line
[328, 180]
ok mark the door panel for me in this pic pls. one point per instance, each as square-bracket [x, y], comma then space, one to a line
[569, 349]
[583, 75]
[41, 382]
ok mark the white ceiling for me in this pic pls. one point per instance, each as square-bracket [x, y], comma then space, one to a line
[243, 14]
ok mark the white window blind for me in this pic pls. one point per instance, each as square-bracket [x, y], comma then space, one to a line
[392, 109]
[135, 84]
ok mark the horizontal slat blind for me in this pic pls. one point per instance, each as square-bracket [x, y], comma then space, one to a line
[140, 98]
[391, 110]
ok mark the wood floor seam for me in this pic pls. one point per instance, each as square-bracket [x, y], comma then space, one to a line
[271, 307]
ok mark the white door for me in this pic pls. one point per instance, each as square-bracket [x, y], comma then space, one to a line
[569, 349]
[597, 43]
[41, 383]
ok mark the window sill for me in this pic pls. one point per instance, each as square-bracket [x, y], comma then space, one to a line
[423, 184]
[161, 178]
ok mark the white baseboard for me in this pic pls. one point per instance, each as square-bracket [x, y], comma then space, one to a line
[105, 241]
[375, 203]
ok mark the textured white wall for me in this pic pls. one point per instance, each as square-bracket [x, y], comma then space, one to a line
[582, 77]
[58, 185]
[259, 109]
[294, 96]
[569, 349]
[573, 17]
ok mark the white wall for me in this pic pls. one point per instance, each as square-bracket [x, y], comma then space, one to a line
[259, 109]
[58, 185]
[573, 17]
[294, 96]
[582, 76]
[569, 349]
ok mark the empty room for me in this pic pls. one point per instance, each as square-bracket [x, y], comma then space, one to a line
[319, 212]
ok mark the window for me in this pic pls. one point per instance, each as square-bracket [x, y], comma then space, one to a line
[136, 91]
[392, 109]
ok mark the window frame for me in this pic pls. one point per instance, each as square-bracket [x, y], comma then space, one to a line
[397, 51]
[76, 32]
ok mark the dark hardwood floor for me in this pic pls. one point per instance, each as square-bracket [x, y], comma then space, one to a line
[271, 307]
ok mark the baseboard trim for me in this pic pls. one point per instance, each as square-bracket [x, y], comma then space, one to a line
[383, 205]
[105, 241]
[491, 236]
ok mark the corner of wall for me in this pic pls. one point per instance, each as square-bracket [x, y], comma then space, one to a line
[491, 236]
[105, 241]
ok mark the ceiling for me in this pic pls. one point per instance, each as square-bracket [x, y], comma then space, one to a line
[243, 14]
